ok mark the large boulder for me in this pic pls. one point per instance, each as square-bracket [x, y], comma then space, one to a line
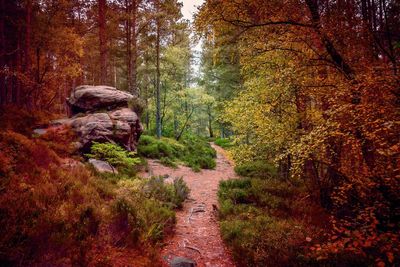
[106, 117]
[90, 98]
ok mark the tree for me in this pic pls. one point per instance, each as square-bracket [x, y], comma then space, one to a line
[320, 89]
[102, 40]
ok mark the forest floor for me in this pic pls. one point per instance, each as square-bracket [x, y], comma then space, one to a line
[197, 235]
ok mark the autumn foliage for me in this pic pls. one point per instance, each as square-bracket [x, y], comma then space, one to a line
[54, 209]
[320, 98]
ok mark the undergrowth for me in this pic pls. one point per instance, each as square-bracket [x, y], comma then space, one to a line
[269, 221]
[266, 222]
[256, 169]
[192, 151]
[58, 211]
[125, 161]
[223, 142]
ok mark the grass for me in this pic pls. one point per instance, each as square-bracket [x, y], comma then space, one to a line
[223, 142]
[192, 151]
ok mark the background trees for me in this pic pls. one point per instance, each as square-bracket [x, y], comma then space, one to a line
[319, 96]
[49, 47]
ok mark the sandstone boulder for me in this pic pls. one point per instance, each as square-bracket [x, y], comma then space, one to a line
[90, 98]
[102, 166]
[101, 114]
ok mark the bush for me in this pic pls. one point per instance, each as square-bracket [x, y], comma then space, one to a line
[198, 154]
[168, 162]
[114, 155]
[263, 241]
[223, 142]
[151, 147]
[256, 169]
[194, 152]
[261, 225]
[66, 215]
[171, 194]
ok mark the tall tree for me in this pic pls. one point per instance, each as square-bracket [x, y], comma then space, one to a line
[102, 6]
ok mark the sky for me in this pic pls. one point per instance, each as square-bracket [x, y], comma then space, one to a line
[190, 7]
[188, 10]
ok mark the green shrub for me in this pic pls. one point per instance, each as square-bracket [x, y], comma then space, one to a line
[168, 162]
[258, 222]
[256, 169]
[157, 219]
[152, 147]
[193, 151]
[263, 241]
[113, 154]
[223, 142]
[199, 154]
[171, 194]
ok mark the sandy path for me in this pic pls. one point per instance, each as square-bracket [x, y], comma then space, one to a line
[197, 234]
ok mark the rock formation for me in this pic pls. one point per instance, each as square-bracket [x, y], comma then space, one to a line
[102, 114]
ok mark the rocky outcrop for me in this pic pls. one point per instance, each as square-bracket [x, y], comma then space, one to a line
[91, 98]
[101, 114]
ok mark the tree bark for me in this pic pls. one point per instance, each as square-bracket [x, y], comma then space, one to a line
[336, 57]
[28, 27]
[2, 53]
[210, 129]
[102, 41]
[134, 55]
[158, 102]
[128, 33]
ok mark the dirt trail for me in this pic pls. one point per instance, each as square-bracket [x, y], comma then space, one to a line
[197, 234]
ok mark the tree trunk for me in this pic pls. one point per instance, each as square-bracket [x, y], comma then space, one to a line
[2, 53]
[158, 102]
[134, 55]
[336, 57]
[210, 129]
[102, 41]
[28, 27]
[128, 28]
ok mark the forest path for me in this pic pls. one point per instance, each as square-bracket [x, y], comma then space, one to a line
[197, 235]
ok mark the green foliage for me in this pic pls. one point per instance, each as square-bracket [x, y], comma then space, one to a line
[168, 162]
[151, 147]
[223, 142]
[147, 219]
[113, 154]
[170, 194]
[193, 151]
[256, 169]
[260, 224]
[199, 154]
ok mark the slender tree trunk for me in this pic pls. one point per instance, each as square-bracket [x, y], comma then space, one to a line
[128, 26]
[28, 27]
[158, 102]
[27, 47]
[336, 57]
[134, 56]
[2, 53]
[176, 125]
[184, 125]
[102, 41]
[210, 129]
